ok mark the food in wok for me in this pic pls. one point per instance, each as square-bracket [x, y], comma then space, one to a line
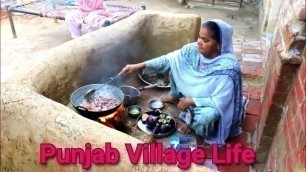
[99, 104]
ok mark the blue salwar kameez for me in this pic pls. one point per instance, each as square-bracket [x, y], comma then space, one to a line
[214, 84]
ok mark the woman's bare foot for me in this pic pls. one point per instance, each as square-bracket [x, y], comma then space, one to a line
[184, 128]
[169, 99]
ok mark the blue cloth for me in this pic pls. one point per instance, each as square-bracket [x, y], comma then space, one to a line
[70, 3]
[214, 84]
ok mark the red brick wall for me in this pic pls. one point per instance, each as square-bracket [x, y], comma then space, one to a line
[280, 78]
[287, 152]
[279, 138]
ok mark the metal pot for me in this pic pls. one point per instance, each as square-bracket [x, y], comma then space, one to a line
[131, 95]
[107, 91]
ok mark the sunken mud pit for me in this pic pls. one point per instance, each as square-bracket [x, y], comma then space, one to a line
[34, 101]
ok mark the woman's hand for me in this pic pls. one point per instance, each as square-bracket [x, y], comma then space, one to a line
[132, 68]
[183, 104]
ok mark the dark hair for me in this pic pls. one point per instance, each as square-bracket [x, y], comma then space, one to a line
[213, 29]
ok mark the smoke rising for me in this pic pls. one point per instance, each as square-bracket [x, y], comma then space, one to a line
[109, 61]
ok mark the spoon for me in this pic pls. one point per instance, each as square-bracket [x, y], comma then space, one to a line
[91, 92]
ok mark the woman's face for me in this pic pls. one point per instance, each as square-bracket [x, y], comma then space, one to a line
[209, 47]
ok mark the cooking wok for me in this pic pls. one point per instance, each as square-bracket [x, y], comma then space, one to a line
[108, 91]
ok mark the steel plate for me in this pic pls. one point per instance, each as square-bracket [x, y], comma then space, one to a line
[155, 78]
[145, 129]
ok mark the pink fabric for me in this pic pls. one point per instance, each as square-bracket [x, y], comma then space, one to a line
[74, 21]
[95, 19]
[90, 5]
[87, 9]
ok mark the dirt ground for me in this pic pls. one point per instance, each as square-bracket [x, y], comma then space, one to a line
[37, 35]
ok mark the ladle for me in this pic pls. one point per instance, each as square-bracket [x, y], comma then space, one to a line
[91, 92]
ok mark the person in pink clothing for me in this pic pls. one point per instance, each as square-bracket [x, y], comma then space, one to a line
[90, 12]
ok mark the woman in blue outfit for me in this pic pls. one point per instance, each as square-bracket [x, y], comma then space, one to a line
[205, 81]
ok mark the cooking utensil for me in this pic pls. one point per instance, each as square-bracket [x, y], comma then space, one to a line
[134, 111]
[91, 92]
[147, 87]
[108, 91]
[156, 104]
[131, 94]
[162, 79]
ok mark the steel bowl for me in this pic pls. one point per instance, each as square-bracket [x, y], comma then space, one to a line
[134, 111]
[156, 104]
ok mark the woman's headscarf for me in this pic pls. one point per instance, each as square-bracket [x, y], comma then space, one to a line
[199, 77]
